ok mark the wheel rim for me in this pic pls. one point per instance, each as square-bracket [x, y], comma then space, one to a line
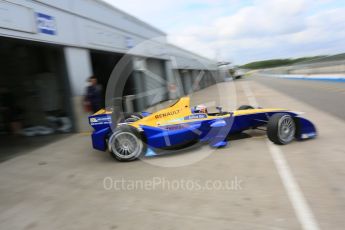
[125, 145]
[286, 129]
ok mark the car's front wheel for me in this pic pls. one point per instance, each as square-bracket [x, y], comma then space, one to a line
[281, 128]
[126, 144]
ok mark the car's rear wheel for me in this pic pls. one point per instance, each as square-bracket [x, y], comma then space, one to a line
[245, 107]
[126, 144]
[281, 128]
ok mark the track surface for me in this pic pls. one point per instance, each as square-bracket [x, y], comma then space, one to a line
[60, 186]
[327, 96]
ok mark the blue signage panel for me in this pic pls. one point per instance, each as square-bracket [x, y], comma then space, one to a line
[46, 24]
[129, 42]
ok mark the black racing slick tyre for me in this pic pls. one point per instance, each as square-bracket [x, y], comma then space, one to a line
[131, 117]
[281, 128]
[245, 107]
[126, 144]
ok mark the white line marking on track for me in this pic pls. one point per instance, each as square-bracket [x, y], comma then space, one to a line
[302, 210]
[295, 194]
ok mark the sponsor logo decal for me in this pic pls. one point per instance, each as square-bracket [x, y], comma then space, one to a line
[172, 121]
[100, 120]
[167, 114]
[93, 120]
[173, 127]
[196, 116]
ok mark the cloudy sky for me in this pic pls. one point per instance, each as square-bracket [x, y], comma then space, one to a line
[242, 31]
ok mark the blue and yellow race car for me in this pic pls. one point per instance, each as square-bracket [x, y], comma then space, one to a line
[179, 125]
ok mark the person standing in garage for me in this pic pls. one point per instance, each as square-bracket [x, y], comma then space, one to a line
[93, 98]
[12, 114]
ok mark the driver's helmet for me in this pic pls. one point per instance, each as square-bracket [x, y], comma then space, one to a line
[200, 109]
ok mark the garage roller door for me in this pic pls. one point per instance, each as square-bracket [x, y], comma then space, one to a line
[155, 82]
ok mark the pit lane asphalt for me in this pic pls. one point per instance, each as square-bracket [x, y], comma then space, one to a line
[60, 186]
[327, 96]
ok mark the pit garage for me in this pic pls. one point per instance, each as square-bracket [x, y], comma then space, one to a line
[144, 87]
[194, 80]
[34, 93]
[103, 64]
[155, 82]
[49, 50]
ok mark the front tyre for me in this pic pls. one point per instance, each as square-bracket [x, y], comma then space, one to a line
[281, 128]
[126, 144]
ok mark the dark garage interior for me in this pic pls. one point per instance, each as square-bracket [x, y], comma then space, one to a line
[34, 94]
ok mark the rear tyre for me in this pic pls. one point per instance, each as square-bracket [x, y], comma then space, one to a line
[281, 128]
[245, 107]
[126, 144]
